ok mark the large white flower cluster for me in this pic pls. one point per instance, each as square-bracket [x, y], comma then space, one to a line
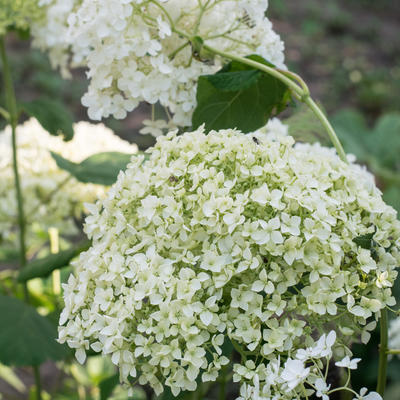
[135, 54]
[51, 196]
[226, 236]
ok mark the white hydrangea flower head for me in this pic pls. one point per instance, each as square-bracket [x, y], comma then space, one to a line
[40, 176]
[135, 55]
[230, 235]
[50, 34]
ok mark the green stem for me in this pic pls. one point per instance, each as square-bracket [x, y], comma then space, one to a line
[4, 113]
[302, 92]
[36, 372]
[331, 132]
[222, 384]
[383, 354]
[11, 104]
[393, 351]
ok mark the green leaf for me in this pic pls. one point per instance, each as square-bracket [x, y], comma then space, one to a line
[239, 96]
[392, 196]
[52, 115]
[304, 126]
[26, 337]
[43, 267]
[353, 132]
[385, 140]
[365, 241]
[107, 386]
[101, 168]
[8, 254]
[232, 81]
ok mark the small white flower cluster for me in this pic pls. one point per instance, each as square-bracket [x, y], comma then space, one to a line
[134, 53]
[302, 376]
[394, 334]
[233, 236]
[51, 197]
[50, 34]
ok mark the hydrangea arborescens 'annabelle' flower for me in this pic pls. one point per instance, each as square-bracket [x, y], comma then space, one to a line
[40, 177]
[230, 235]
[134, 54]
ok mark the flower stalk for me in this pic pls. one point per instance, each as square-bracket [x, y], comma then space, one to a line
[12, 113]
[383, 354]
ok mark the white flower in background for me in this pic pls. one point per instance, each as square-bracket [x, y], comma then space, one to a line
[50, 200]
[394, 334]
[370, 396]
[155, 127]
[175, 241]
[134, 54]
[50, 34]
[346, 362]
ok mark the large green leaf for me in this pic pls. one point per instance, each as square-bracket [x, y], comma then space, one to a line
[385, 140]
[52, 115]
[353, 132]
[239, 96]
[101, 168]
[107, 386]
[26, 337]
[43, 267]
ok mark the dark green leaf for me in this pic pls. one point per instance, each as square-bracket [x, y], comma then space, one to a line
[43, 267]
[239, 96]
[26, 337]
[107, 386]
[232, 81]
[365, 241]
[52, 115]
[102, 168]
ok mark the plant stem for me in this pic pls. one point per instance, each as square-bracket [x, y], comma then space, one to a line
[393, 351]
[331, 132]
[222, 384]
[383, 354]
[13, 119]
[11, 104]
[302, 92]
[36, 372]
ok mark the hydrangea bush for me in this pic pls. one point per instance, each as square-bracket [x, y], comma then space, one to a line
[52, 197]
[230, 237]
[219, 252]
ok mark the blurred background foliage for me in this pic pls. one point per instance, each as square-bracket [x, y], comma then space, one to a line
[348, 51]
